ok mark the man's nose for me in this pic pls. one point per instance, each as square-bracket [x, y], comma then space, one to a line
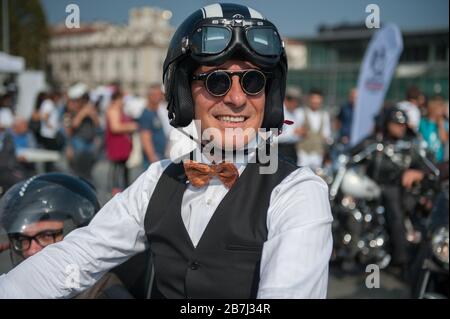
[235, 97]
[34, 248]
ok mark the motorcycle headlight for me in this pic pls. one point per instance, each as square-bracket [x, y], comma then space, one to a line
[439, 244]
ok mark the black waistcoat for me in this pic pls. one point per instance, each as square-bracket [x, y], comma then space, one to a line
[225, 263]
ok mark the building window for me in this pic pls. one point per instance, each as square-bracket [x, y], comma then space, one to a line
[415, 54]
[65, 67]
[134, 61]
[442, 53]
[86, 66]
[118, 67]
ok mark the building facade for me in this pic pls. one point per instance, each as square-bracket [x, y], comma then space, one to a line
[101, 53]
[334, 56]
[132, 55]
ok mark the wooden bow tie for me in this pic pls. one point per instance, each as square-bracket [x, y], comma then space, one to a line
[200, 174]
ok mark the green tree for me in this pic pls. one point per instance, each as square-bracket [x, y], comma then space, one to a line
[29, 33]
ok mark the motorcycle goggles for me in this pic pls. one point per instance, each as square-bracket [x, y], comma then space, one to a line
[219, 37]
[218, 82]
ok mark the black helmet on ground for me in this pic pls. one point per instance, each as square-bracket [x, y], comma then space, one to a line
[213, 35]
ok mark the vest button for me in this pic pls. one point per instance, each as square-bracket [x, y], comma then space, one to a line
[195, 265]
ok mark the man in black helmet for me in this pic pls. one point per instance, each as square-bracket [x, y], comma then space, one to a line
[395, 174]
[216, 228]
[41, 211]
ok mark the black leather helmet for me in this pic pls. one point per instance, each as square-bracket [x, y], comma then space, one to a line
[211, 36]
[396, 115]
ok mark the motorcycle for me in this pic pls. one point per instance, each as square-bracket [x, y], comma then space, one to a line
[359, 227]
[431, 265]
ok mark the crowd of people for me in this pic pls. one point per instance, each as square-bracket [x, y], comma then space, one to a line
[314, 131]
[244, 234]
[85, 126]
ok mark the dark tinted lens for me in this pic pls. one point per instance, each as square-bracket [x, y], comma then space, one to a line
[265, 41]
[210, 40]
[253, 82]
[218, 83]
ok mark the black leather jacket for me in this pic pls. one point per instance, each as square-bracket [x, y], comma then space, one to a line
[387, 166]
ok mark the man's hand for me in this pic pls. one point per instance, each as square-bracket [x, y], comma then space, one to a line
[411, 176]
[21, 159]
[301, 131]
[3, 247]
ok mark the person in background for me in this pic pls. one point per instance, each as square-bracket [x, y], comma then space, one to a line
[411, 106]
[51, 130]
[118, 142]
[394, 177]
[434, 127]
[288, 139]
[49, 115]
[82, 132]
[35, 120]
[6, 111]
[13, 166]
[315, 130]
[162, 111]
[151, 130]
[345, 118]
[23, 138]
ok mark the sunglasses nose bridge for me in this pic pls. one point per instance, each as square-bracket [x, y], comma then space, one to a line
[235, 95]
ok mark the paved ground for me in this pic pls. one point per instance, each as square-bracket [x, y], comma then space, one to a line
[340, 285]
[344, 286]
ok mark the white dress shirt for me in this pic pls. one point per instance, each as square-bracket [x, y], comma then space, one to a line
[294, 259]
[49, 127]
[288, 133]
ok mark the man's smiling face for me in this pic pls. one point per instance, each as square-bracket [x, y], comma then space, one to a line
[235, 110]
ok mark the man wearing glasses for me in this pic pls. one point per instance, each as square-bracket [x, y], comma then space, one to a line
[40, 211]
[217, 224]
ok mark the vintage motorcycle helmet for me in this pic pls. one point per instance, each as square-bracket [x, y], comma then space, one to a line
[390, 114]
[52, 196]
[213, 35]
[396, 115]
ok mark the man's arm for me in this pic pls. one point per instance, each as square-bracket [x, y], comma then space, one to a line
[86, 254]
[147, 145]
[296, 255]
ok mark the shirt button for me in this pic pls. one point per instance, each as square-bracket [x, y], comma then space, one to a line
[209, 202]
[195, 265]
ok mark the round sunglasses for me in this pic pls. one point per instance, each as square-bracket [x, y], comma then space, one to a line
[218, 82]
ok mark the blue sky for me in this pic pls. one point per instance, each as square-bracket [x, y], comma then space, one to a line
[293, 17]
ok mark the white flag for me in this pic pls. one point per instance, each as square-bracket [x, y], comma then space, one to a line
[375, 76]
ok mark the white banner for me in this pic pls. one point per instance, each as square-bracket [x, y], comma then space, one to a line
[375, 76]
